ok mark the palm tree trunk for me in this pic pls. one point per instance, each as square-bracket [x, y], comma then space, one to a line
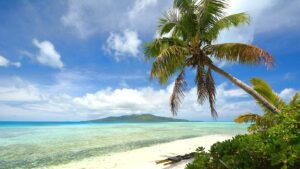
[246, 88]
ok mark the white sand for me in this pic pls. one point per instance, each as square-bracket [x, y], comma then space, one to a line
[144, 158]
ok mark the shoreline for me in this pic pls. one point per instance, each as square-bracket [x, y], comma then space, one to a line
[144, 158]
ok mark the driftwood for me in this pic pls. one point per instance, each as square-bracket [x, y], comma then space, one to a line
[176, 159]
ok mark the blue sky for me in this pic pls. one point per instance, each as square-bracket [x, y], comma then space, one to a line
[76, 60]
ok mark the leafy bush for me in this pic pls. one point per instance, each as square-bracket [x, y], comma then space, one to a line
[278, 147]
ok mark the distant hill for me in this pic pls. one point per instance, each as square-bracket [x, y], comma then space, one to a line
[143, 118]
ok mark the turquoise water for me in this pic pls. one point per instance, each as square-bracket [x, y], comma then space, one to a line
[29, 145]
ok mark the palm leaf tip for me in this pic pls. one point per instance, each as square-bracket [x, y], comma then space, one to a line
[168, 22]
[169, 57]
[295, 102]
[183, 5]
[210, 87]
[178, 93]
[206, 89]
[227, 22]
[239, 52]
[265, 90]
[248, 117]
[200, 83]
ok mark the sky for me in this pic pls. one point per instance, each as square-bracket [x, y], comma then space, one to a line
[76, 60]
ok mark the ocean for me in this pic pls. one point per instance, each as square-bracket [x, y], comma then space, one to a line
[42, 144]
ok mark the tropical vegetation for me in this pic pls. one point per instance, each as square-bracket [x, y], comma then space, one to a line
[262, 122]
[187, 38]
[274, 141]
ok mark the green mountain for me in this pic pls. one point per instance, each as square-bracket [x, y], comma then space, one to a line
[143, 118]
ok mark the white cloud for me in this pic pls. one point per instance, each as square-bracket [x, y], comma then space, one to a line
[16, 89]
[139, 6]
[284, 17]
[125, 44]
[5, 62]
[156, 102]
[244, 34]
[263, 18]
[149, 100]
[235, 93]
[40, 102]
[287, 94]
[124, 100]
[22, 100]
[47, 54]
[90, 17]
[19, 113]
[85, 17]
[94, 17]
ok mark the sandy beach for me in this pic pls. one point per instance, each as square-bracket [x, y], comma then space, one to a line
[144, 158]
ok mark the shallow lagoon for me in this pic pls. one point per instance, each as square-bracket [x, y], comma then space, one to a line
[28, 145]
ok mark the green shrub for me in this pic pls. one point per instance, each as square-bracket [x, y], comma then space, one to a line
[278, 147]
[201, 160]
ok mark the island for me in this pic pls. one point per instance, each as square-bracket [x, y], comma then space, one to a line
[137, 118]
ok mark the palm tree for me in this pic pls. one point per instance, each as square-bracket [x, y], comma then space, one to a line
[265, 90]
[187, 33]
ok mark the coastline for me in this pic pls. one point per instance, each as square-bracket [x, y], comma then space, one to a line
[144, 158]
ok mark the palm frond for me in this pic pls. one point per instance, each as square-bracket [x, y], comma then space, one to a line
[154, 48]
[209, 12]
[211, 91]
[226, 23]
[168, 21]
[178, 93]
[202, 94]
[170, 60]
[295, 102]
[184, 5]
[188, 26]
[239, 52]
[193, 24]
[248, 117]
[265, 90]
